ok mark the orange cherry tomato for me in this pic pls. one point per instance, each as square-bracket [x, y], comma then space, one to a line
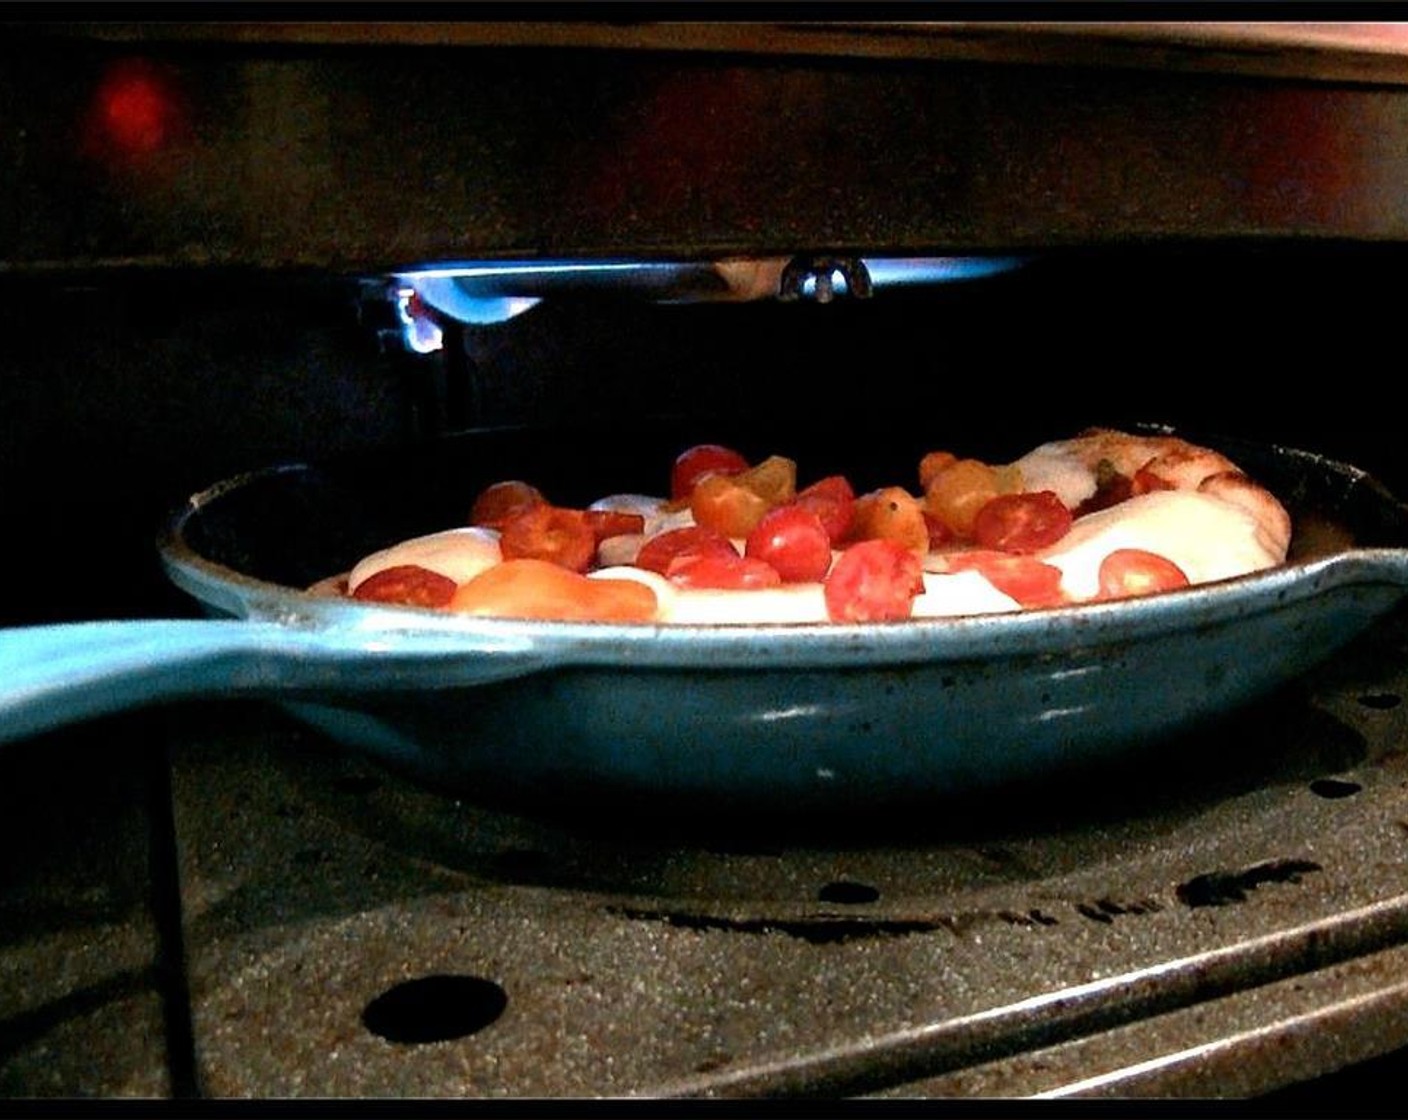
[722, 572]
[540, 589]
[501, 501]
[1021, 522]
[408, 585]
[1026, 579]
[774, 480]
[696, 462]
[1133, 571]
[660, 551]
[834, 502]
[545, 532]
[721, 503]
[932, 464]
[873, 581]
[891, 514]
[958, 491]
[794, 542]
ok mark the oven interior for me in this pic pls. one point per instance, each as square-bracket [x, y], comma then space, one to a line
[206, 899]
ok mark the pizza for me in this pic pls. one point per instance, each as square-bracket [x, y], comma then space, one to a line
[1104, 515]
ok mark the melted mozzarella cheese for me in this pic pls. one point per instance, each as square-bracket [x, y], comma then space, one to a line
[458, 554]
[1056, 467]
[960, 593]
[615, 551]
[1205, 536]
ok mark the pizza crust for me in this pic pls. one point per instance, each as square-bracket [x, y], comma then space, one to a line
[1180, 464]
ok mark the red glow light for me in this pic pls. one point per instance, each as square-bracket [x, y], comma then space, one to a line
[135, 111]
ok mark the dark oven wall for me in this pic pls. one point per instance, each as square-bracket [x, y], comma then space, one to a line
[120, 395]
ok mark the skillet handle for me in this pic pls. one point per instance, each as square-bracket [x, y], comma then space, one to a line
[51, 676]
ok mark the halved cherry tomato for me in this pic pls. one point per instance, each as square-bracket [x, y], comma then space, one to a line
[1021, 522]
[1133, 571]
[546, 532]
[956, 493]
[661, 550]
[873, 581]
[612, 523]
[834, 502]
[891, 514]
[794, 542]
[696, 462]
[721, 503]
[722, 572]
[407, 584]
[497, 503]
[1026, 579]
[541, 589]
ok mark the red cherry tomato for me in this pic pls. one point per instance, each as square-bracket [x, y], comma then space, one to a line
[940, 535]
[1023, 578]
[544, 532]
[725, 506]
[834, 501]
[873, 581]
[722, 571]
[407, 584]
[660, 551]
[1132, 571]
[501, 501]
[1021, 522]
[695, 463]
[794, 541]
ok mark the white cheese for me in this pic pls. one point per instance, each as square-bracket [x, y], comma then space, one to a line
[1056, 467]
[458, 554]
[1208, 538]
[960, 593]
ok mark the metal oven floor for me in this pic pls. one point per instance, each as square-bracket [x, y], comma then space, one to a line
[1225, 924]
[1231, 922]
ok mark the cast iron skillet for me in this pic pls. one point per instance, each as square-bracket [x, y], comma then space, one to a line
[807, 718]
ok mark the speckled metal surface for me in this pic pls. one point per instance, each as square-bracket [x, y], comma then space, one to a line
[81, 994]
[1180, 929]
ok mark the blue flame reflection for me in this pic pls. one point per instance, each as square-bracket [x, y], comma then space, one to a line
[485, 292]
